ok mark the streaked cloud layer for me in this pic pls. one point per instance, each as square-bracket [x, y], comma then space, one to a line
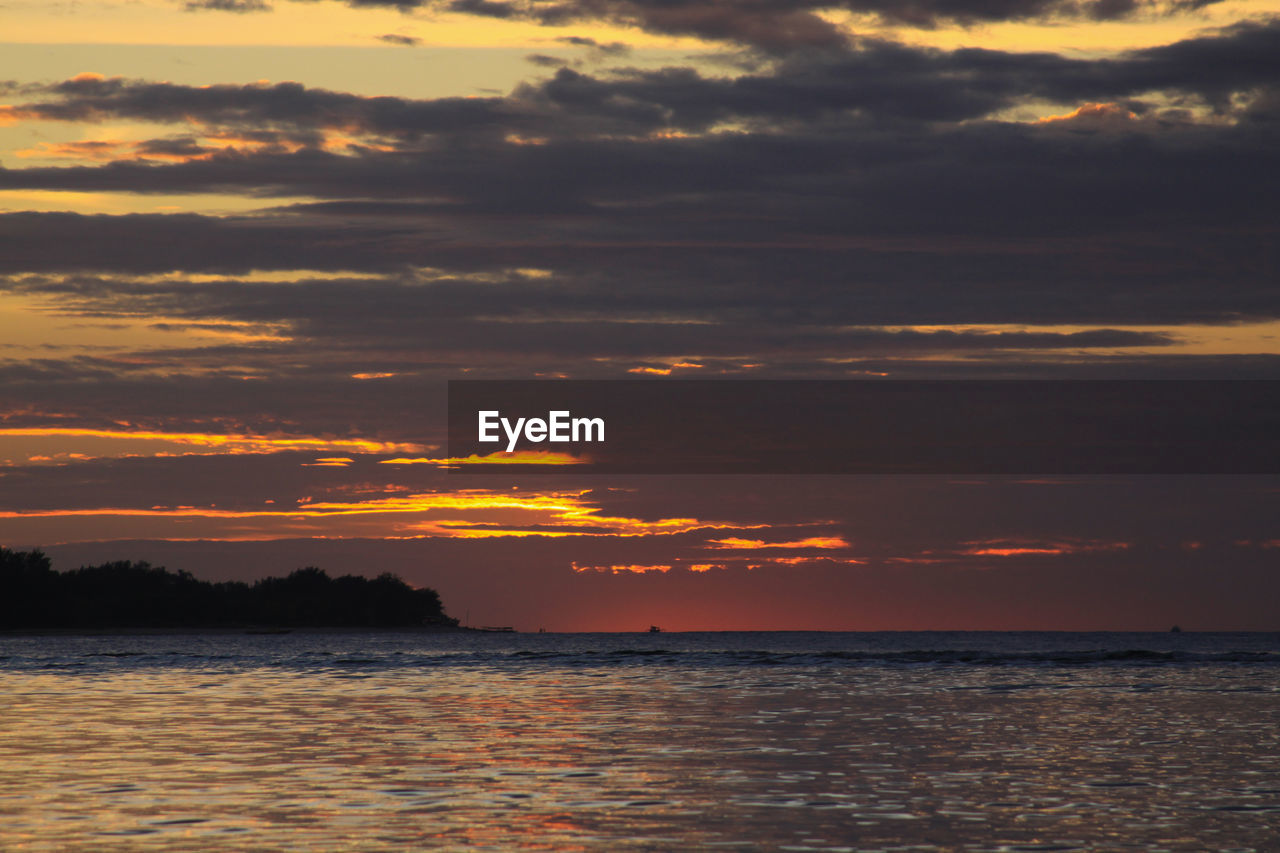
[230, 306]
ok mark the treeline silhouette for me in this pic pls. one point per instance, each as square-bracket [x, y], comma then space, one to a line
[125, 594]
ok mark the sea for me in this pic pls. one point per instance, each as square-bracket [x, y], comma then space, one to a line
[637, 742]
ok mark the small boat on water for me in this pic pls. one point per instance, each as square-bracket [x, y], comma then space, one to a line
[654, 629]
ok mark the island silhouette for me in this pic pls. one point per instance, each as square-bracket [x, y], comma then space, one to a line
[128, 594]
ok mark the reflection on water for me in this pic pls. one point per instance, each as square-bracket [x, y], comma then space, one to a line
[607, 742]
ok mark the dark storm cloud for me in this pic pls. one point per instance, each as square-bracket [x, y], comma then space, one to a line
[979, 252]
[881, 82]
[292, 105]
[792, 190]
[768, 26]
[332, 328]
[178, 147]
[785, 25]
[569, 315]
[151, 243]
[709, 263]
[866, 181]
[484, 8]
[885, 79]
[933, 13]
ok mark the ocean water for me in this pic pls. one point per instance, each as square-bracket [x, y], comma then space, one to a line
[726, 741]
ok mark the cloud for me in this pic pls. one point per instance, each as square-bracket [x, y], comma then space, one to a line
[531, 580]
[675, 217]
[400, 40]
[878, 83]
[694, 298]
[928, 14]
[861, 207]
[741, 544]
[227, 6]
[545, 61]
[153, 243]
[599, 50]
[282, 106]
[461, 319]
[778, 26]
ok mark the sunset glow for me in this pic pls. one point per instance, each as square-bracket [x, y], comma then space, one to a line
[128, 442]
[248, 245]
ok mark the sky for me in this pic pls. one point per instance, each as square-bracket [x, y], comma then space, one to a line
[244, 244]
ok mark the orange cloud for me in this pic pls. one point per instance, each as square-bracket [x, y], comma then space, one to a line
[795, 561]
[60, 458]
[1012, 552]
[653, 371]
[228, 443]
[329, 462]
[100, 150]
[516, 457]
[464, 514]
[110, 150]
[1004, 548]
[618, 570]
[1094, 115]
[1010, 548]
[753, 544]
[205, 144]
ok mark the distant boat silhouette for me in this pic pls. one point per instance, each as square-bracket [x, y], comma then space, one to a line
[654, 629]
[1176, 629]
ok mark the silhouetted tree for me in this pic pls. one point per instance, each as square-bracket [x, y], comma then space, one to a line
[26, 585]
[129, 594]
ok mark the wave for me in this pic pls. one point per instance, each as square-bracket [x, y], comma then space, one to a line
[406, 652]
[735, 659]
